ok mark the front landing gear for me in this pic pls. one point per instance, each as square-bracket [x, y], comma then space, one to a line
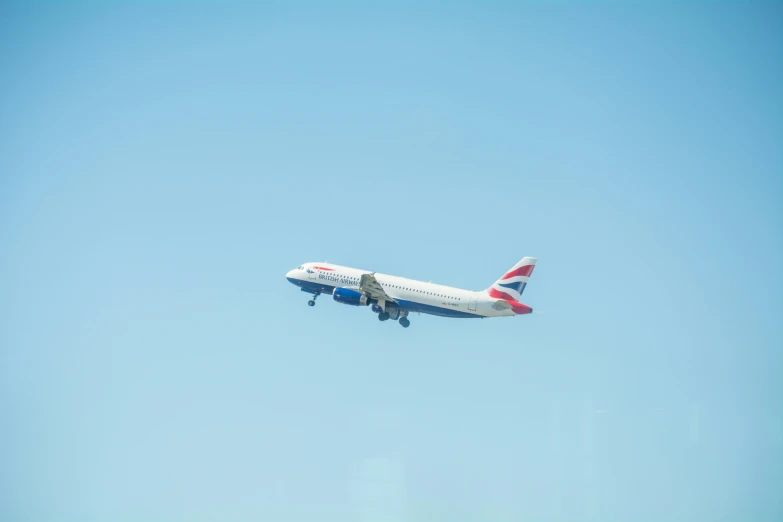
[404, 322]
[311, 302]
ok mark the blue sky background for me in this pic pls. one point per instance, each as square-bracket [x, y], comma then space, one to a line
[161, 168]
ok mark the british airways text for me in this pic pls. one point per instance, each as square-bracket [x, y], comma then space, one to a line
[335, 278]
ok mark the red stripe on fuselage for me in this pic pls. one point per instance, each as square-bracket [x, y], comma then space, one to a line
[497, 294]
[521, 271]
[324, 268]
[518, 307]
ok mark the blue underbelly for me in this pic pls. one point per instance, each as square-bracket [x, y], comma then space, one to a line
[413, 306]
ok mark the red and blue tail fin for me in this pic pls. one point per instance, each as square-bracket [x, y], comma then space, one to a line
[513, 282]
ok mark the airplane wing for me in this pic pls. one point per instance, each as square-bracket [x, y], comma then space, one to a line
[373, 288]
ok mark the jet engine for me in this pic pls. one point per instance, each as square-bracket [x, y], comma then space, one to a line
[350, 297]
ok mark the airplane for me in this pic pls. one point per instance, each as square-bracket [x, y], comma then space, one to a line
[393, 297]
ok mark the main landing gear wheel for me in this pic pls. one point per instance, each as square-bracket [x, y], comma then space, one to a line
[383, 316]
[405, 322]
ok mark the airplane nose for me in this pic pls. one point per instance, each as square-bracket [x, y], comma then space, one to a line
[290, 274]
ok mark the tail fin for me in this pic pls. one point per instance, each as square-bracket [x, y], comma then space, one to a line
[513, 282]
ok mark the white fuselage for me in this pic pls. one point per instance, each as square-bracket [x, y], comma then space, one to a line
[408, 294]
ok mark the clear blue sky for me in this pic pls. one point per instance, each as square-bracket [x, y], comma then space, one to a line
[161, 168]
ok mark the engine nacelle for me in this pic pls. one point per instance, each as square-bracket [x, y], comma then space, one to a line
[349, 297]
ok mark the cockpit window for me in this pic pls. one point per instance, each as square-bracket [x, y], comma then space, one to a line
[301, 267]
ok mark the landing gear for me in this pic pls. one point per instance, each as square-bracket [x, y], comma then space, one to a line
[311, 302]
[393, 313]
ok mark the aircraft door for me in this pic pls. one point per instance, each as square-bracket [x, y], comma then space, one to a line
[313, 275]
[473, 302]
